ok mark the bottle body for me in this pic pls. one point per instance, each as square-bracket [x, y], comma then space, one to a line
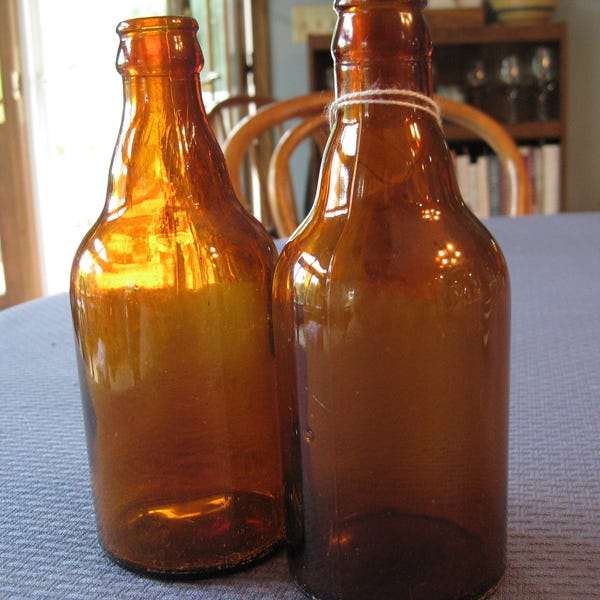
[392, 317]
[170, 294]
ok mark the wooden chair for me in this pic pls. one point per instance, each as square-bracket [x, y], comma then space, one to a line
[273, 118]
[222, 118]
[283, 206]
[495, 135]
[224, 115]
[480, 124]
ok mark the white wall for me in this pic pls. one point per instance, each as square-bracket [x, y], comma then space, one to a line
[289, 77]
[583, 110]
[289, 66]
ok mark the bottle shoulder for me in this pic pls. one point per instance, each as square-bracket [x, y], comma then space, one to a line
[388, 207]
[401, 255]
[158, 248]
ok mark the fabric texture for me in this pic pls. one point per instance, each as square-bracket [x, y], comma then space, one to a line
[48, 544]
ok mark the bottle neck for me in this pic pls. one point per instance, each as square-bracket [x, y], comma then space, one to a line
[381, 44]
[163, 99]
[387, 134]
[160, 61]
[165, 142]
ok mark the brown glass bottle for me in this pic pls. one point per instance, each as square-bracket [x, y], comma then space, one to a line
[392, 317]
[170, 295]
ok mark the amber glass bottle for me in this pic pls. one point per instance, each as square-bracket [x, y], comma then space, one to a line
[392, 318]
[170, 295]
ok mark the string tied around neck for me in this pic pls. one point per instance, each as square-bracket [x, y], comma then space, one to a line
[396, 97]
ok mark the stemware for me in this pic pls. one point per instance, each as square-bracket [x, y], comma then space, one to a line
[511, 77]
[477, 81]
[543, 69]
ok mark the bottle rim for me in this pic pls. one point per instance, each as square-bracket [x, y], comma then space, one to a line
[370, 3]
[156, 24]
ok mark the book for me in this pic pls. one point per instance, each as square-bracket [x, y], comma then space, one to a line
[482, 186]
[529, 157]
[550, 162]
[462, 169]
[494, 191]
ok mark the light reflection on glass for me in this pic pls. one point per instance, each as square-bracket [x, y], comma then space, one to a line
[308, 272]
[337, 212]
[338, 194]
[100, 250]
[406, 18]
[348, 140]
[311, 264]
[87, 264]
[415, 133]
[431, 214]
[116, 205]
[448, 256]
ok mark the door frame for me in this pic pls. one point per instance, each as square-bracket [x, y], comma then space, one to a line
[18, 231]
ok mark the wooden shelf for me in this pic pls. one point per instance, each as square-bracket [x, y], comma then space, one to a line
[496, 34]
[455, 48]
[454, 53]
[531, 131]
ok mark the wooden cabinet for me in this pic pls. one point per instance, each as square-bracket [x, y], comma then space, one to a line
[458, 50]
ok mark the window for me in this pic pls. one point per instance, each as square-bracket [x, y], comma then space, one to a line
[19, 268]
[216, 75]
[73, 102]
[226, 34]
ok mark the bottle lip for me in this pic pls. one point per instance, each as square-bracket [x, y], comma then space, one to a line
[370, 3]
[157, 24]
[155, 46]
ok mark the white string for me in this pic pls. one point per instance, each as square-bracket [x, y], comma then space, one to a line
[407, 98]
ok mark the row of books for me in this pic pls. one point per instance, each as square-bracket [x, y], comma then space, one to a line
[483, 185]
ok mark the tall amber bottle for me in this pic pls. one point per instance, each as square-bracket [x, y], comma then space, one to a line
[170, 296]
[392, 316]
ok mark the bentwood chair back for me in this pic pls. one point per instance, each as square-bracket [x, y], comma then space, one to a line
[496, 136]
[271, 119]
[222, 118]
[224, 115]
[312, 107]
[478, 123]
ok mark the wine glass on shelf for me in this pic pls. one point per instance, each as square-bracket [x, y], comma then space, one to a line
[477, 81]
[543, 69]
[511, 77]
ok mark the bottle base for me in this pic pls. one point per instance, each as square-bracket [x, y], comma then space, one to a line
[197, 573]
[488, 593]
[387, 555]
[197, 538]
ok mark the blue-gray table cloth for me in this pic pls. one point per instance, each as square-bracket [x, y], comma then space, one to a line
[48, 545]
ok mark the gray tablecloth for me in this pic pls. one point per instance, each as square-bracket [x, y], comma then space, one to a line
[48, 546]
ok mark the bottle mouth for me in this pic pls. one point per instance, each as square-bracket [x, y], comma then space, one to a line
[380, 31]
[159, 46]
[157, 24]
[371, 3]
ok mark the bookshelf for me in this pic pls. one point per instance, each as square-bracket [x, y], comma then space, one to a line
[456, 50]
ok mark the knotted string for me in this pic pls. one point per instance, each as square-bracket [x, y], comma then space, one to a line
[407, 98]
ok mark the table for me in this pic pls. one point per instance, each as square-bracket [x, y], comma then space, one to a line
[48, 544]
